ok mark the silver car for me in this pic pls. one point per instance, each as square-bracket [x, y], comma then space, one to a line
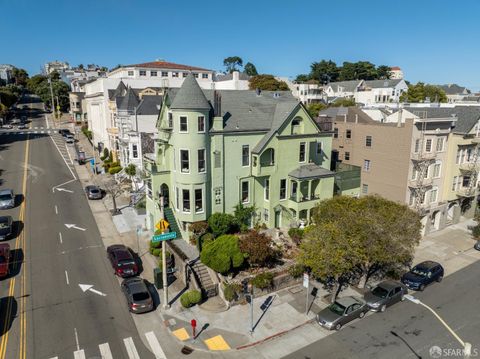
[7, 199]
[138, 297]
[385, 294]
[343, 311]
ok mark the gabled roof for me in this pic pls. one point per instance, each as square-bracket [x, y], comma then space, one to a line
[348, 86]
[190, 96]
[454, 89]
[128, 102]
[467, 116]
[149, 105]
[167, 65]
[121, 90]
[374, 84]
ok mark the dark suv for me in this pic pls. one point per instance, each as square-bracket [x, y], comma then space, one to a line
[422, 275]
[122, 261]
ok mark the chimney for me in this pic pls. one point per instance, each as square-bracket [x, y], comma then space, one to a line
[236, 75]
[217, 104]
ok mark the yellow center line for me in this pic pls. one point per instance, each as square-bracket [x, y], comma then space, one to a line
[19, 243]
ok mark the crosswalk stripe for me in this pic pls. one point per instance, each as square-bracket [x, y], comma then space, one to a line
[54, 358]
[155, 345]
[131, 350]
[79, 354]
[105, 351]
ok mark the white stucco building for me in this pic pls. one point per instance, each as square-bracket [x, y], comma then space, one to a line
[396, 73]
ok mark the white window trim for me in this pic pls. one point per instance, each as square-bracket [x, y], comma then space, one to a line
[443, 144]
[436, 195]
[241, 191]
[180, 124]
[180, 160]
[189, 201]
[369, 165]
[248, 157]
[439, 171]
[204, 124]
[431, 145]
[305, 153]
[265, 189]
[205, 159]
[319, 145]
[286, 189]
[195, 200]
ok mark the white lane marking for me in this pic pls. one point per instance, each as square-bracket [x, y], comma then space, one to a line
[69, 226]
[85, 287]
[76, 339]
[46, 120]
[60, 236]
[54, 358]
[105, 351]
[70, 157]
[66, 277]
[64, 160]
[79, 354]
[131, 350]
[155, 345]
[61, 184]
[56, 209]
[59, 189]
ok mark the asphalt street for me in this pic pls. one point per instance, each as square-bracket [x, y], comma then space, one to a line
[456, 299]
[51, 316]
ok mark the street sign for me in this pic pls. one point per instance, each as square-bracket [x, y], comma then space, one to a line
[305, 280]
[164, 237]
[162, 225]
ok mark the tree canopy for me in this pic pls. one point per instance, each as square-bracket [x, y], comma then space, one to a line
[326, 71]
[267, 83]
[223, 254]
[39, 85]
[20, 76]
[231, 63]
[355, 238]
[250, 69]
[421, 91]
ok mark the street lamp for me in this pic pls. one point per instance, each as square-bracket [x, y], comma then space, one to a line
[467, 347]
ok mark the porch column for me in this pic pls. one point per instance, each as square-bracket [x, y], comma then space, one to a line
[309, 189]
[297, 192]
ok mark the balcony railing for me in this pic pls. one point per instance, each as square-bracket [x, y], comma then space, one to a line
[425, 182]
[469, 166]
[465, 192]
[421, 156]
[303, 198]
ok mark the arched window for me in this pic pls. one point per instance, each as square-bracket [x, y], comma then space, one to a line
[296, 126]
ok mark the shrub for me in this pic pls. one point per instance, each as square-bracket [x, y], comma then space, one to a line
[263, 280]
[223, 254]
[190, 298]
[243, 216]
[258, 248]
[157, 252]
[198, 229]
[113, 170]
[106, 153]
[221, 223]
[296, 234]
[229, 292]
[206, 239]
[296, 270]
[115, 164]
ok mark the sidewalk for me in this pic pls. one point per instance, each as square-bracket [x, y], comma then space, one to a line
[229, 330]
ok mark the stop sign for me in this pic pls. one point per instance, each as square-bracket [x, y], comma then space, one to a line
[193, 322]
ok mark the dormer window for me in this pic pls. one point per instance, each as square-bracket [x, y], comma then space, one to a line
[296, 126]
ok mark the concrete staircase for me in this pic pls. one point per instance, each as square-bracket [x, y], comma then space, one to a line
[201, 272]
[170, 217]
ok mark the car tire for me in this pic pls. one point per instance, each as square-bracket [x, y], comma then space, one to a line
[338, 327]
[383, 308]
[421, 288]
[439, 279]
[402, 298]
[362, 314]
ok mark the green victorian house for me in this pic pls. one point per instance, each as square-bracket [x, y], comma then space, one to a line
[216, 149]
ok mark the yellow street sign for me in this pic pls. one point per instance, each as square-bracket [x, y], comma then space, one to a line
[162, 225]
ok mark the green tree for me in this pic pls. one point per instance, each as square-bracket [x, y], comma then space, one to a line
[81, 66]
[343, 102]
[221, 223]
[131, 171]
[383, 72]
[267, 83]
[315, 108]
[7, 97]
[324, 71]
[302, 78]
[223, 254]
[243, 216]
[231, 63]
[421, 91]
[257, 247]
[20, 76]
[250, 69]
[35, 81]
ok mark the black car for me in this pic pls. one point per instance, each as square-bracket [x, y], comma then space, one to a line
[64, 132]
[477, 246]
[138, 296]
[93, 192]
[422, 275]
[5, 227]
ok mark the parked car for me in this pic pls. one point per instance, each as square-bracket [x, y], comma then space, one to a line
[22, 126]
[69, 138]
[93, 192]
[343, 311]
[138, 297]
[64, 132]
[122, 261]
[7, 126]
[422, 275]
[4, 259]
[7, 199]
[5, 227]
[384, 295]
[477, 245]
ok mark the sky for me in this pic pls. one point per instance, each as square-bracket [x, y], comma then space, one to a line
[432, 41]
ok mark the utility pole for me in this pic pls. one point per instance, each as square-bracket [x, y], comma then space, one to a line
[51, 94]
[164, 260]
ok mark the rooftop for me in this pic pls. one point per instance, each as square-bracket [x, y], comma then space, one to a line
[167, 65]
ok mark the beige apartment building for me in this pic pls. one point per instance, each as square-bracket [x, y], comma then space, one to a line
[410, 157]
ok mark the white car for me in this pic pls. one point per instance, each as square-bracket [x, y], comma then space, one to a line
[9, 127]
[69, 139]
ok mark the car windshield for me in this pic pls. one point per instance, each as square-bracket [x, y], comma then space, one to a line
[380, 292]
[94, 190]
[5, 197]
[337, 308]
[419, 271]
[3, 224]
[140, 296]
[126, 262]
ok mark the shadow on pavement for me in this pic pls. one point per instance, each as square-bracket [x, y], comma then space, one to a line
[154, 293]
[16, 260]
[8, 312]
[17, 228]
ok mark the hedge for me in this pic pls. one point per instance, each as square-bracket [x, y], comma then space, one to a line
[190, 298]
